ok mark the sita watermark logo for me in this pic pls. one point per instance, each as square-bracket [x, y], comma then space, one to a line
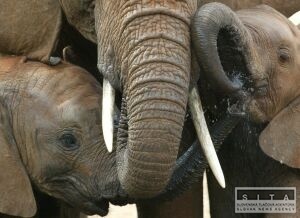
[265, 200]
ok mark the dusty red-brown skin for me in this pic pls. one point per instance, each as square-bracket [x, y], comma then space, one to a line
[51, 136]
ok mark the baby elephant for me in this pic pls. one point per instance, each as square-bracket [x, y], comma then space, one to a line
[51, 138]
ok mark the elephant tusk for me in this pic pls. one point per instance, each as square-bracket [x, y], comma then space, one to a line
[295, 18]
[204, 136]
[206, 204]
[108, 102]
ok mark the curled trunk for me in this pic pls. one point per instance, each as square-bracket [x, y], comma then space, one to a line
[223, 46]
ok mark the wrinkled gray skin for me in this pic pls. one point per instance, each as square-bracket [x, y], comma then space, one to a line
[51, 138]
[136, 53]
[268, 47]
[143, 50]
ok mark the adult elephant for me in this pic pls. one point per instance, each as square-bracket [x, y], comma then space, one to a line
[154, 35]
[144, 51]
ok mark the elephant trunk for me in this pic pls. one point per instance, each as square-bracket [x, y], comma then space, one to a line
[156, 94]
[223, 46]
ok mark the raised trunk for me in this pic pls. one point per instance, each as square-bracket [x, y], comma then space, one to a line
[223, 47]
[156, 90]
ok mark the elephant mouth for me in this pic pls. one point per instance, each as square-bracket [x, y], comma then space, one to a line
[260, 88]
[73, 195]
[98, 207]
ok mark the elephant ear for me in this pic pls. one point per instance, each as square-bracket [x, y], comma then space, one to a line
[30, 28]
[281, 138]
[16, 193]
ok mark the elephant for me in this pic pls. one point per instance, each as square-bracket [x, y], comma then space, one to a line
[256, 63]
[55, 147]
[50, 207]
[258, 50]
[144, 53]
[51, 139]
[150, 67]
[245, 57]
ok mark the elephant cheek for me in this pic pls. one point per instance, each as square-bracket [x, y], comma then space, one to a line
[256, 112]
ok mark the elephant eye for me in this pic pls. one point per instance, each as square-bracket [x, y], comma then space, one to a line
[284, 55]
[69, 141]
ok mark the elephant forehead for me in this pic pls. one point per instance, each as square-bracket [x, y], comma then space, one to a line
[279, 31]
[184, 7]
[79, 109]
[270, 25]
[62, 90]
[58, 83]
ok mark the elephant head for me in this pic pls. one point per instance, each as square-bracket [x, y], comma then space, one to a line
[144, 51]
[254, 55]
[50, 133]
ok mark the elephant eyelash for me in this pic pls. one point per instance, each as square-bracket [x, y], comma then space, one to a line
[76, 136]
[284, 55]
[69, 142]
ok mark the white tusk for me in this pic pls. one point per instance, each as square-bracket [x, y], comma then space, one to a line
[295, 18]
[206, 204]
[204, 136]
[108, 102]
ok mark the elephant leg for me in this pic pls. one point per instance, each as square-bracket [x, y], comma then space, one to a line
[187, 205]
